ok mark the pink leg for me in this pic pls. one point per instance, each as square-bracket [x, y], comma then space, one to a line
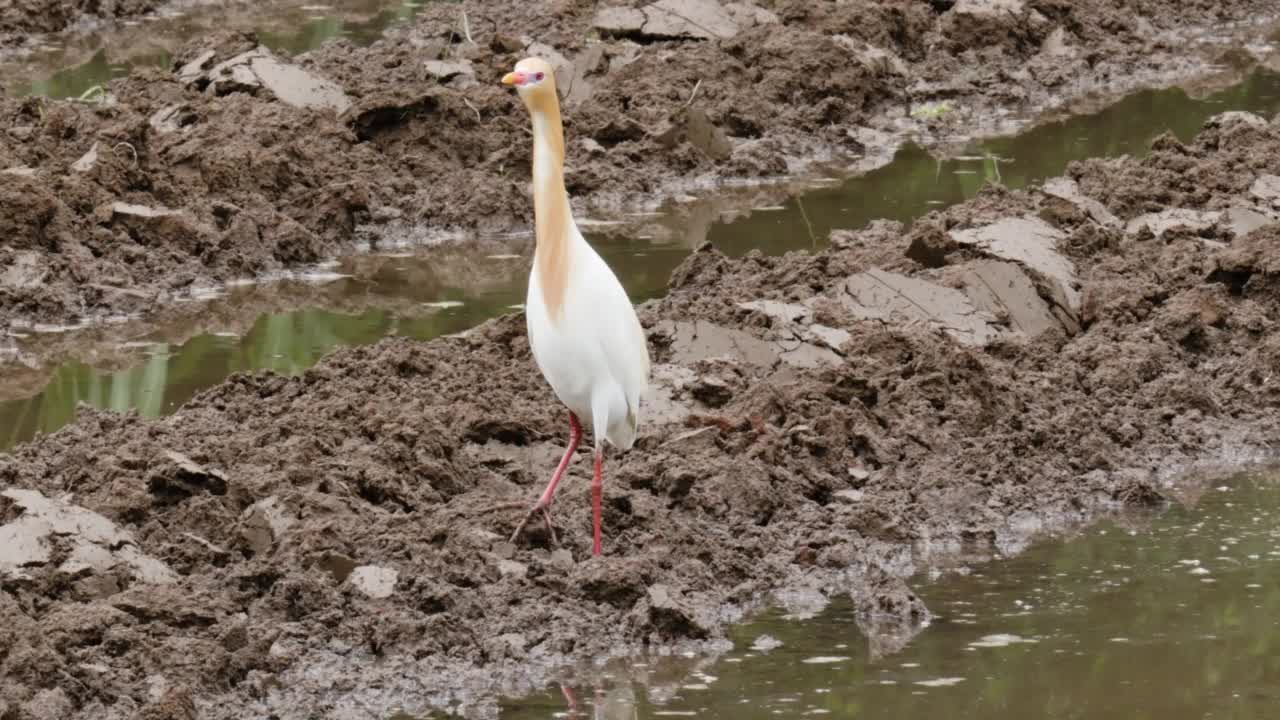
[544, 502]
[570, 699]
[597, 493]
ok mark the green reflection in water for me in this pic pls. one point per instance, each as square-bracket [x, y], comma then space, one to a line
[916, 183]
[1172, 620]
[309, 30]
[910, 186]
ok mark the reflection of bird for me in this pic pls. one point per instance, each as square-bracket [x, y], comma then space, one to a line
[583, 330]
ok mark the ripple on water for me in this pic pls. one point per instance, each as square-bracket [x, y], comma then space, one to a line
[1000, 640]
[940, 682]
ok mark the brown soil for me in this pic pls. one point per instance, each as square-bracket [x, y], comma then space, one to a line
[21, 18]
[335, 543]
[258, 184]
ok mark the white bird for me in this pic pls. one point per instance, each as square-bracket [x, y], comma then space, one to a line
[583, 330]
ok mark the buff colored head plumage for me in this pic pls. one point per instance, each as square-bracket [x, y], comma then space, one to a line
[535, 81]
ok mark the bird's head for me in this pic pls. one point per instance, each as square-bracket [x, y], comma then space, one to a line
[535, 81]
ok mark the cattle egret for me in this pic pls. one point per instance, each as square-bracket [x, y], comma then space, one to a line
[584, 333]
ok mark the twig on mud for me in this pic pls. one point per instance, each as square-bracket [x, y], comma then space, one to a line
[812, 238]
[132, 149]
[693, 94]
[474, 109]
[74, 679]
[466, 27]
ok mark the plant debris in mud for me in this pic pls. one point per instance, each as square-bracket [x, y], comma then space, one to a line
[821, 423]
[237, 162]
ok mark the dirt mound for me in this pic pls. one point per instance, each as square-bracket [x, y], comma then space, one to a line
[23, 17]
[237, 163]
[820, 423]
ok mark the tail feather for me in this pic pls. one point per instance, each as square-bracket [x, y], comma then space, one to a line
[623, 435]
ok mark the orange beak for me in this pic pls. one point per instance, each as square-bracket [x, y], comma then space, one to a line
[513, 78]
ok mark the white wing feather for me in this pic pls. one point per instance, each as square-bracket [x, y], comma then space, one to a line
[594, 356]
[614, 325]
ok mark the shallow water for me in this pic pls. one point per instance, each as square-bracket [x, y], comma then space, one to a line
[408, 295]
[1170, 616]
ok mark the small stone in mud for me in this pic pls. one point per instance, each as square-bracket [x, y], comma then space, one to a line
[87, 161]
[849, 495]
[374, 581]
[142, 211]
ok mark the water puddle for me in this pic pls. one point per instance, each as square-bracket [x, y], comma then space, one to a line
[1166, 616]
[85, 61]
[370, 297]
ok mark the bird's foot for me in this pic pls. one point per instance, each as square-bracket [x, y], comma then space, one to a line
[546, 519]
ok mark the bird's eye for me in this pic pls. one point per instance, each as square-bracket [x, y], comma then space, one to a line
[537, 77]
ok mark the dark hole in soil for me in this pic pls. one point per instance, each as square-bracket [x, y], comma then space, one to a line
[819, 494]
[1235, 280]
[505, 432]
[377, 121]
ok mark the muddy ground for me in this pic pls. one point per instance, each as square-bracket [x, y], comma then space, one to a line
[20, 19]
[219, 170]
[335, 544]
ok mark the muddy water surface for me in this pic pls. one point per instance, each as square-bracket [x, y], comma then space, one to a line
[411, 294]
[1169, 616]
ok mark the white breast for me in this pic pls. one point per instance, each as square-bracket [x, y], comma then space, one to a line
[593, 354]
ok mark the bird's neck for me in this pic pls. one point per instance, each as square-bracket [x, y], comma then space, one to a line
[553, 219]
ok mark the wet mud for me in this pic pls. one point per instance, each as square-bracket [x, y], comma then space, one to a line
[21, 19]
[821, 424]
[237, 162]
